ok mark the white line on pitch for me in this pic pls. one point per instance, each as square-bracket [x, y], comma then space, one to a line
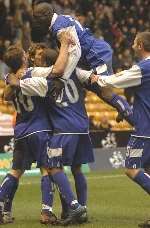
[89, 178]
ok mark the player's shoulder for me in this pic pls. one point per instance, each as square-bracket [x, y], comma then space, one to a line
[62, 21]
[144, 64]
[28, 73]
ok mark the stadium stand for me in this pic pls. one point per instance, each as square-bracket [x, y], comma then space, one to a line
[105, 20]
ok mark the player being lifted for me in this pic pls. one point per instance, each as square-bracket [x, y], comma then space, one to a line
[96, 54]
[138, 76]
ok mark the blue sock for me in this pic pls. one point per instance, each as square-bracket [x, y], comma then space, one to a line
[143, 179]
[122, 107]
[63, 184]
[47, 193]
[81, 188]
[8, 188]
[64, 205]
[8, 201]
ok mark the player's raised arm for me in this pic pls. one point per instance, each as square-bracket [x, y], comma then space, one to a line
[38, 86]
[68, 44]
[121, 105]
[74, 50]
[124, 79]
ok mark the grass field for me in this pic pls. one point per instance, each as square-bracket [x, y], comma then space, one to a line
[114, 202]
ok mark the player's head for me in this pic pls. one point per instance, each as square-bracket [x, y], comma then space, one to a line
[36, 2]
[49, 57]
[141, 44]
[42, 16]
[34, 54]
[15, 57]
[40, 55]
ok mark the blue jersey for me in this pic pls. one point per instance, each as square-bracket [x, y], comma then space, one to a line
[68, 114]
[95, 52]
[141, 106]
[31, 114]
[138, 77]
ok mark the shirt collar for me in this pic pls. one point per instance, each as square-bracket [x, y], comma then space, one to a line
[55, 15]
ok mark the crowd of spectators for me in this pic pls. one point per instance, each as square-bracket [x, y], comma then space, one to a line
[116, 21]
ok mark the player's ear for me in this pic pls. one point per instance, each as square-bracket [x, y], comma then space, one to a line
[140, 45]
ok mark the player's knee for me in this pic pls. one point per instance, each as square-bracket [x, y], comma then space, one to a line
[44, 171]
[131, 173]
[17, 173]
[76, 169]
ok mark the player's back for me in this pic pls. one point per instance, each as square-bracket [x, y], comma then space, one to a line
[68, 114]
[95, 51]
[141, 104]
[31, 113]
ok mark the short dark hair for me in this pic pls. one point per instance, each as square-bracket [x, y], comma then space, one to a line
[42, 16]
[35, 2]
[14, 57]
[144, 37]
[49, 56]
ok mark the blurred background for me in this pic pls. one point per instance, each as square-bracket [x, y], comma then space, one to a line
[116, 21]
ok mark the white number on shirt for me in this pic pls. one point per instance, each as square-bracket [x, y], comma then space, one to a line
[23, 103]
[71, 93]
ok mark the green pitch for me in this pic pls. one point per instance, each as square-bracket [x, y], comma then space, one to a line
[114, 202]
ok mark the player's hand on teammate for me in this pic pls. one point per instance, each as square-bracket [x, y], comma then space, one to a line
[94, 78]
[12, 80]
[56, 88]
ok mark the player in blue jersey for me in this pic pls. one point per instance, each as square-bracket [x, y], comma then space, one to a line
[96, 54]
[138, 148]
[68, 120]
[31, 136]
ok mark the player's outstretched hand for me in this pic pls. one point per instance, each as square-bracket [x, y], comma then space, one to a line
[94, 78]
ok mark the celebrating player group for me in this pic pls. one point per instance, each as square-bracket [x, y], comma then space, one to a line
[52, 128]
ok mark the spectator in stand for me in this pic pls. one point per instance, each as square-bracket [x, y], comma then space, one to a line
[105, 18]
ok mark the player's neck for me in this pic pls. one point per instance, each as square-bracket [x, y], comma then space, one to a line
[145, 54]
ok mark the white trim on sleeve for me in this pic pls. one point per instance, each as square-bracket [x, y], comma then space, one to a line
[53, 20]
[41, 71]
[34, 86]
[123, 79]
[83, 75]
[101, 69]
[74, 52]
